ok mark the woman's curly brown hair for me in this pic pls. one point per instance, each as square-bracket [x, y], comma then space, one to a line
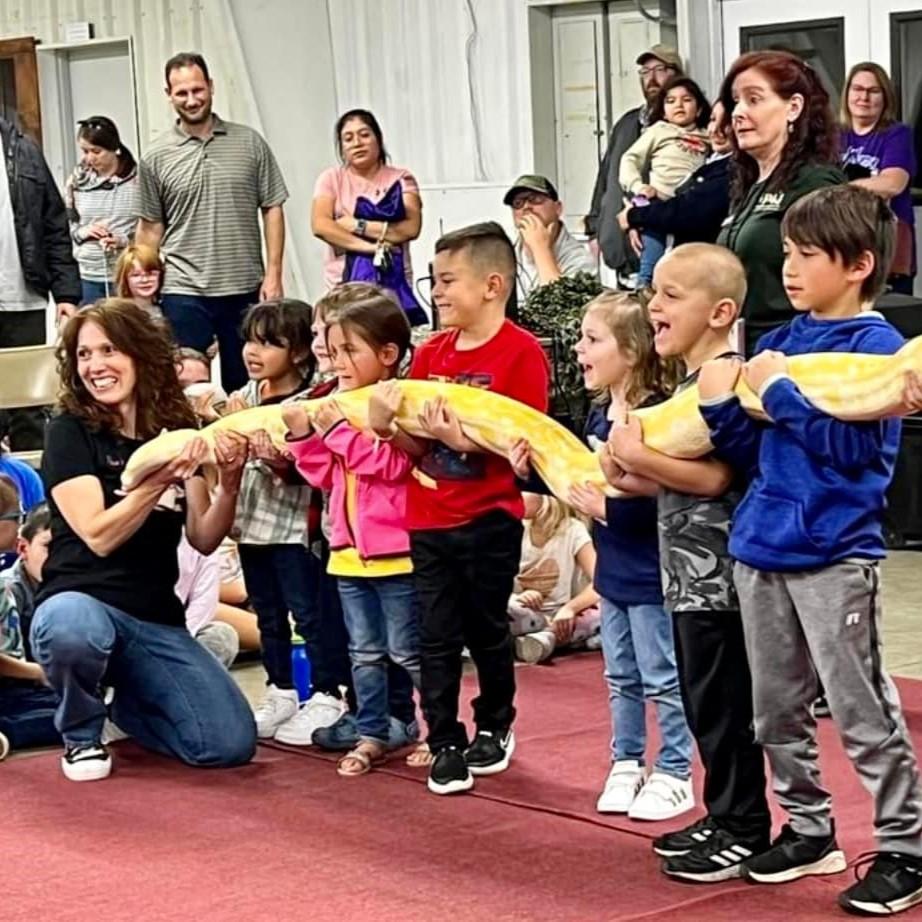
[161, 403]
[814, 136]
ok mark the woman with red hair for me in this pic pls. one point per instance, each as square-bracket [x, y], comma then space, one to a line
[785, 143]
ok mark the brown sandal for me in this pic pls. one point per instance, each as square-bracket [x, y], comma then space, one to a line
[365, 755]
[420, 757]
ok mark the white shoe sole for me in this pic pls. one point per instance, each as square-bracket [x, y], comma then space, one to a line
[496, 767]
[4, 747]
[883, 909]
[833, 863]
[97, 770]
[458, 786]
[649, 816]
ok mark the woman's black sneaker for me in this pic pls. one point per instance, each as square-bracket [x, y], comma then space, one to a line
[491, 752]
[448, 773]
[682, 841]
[892, 884]
[793, 855]
[721, 857]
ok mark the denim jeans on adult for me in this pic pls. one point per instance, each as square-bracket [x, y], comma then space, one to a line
[640, 665]
[382, 618]
[654, 245]
[93, 291]
[283, 578]
[171, 694]
[27, 712]
[464, 578]
[196, 320]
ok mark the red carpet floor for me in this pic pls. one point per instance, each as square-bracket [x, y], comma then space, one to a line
[286, 838]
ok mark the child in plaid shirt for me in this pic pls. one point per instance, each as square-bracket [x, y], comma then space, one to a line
[271, 523]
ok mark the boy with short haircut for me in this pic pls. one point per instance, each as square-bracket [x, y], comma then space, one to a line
[465, 509]
[806, 540]
[27, 704]
[698, 290]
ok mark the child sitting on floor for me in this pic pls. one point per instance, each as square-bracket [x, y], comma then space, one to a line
[558, 559]
[27, 705]
[367, 481]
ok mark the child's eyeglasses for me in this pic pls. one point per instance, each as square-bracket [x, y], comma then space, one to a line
[18, 517]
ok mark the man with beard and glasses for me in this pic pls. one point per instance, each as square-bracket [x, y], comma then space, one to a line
[204, 184]
[655, 68]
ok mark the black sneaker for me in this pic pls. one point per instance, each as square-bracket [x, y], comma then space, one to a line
[491, 752]
[721, 857]
[448, 773]
[682, 841]
[793, 855]
[86, 762]
[892, 884]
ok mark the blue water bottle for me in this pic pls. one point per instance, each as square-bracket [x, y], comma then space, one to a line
[300, 667]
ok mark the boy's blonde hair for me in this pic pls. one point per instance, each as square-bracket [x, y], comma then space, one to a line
[714, 268]
[147, 257]
[627, 319]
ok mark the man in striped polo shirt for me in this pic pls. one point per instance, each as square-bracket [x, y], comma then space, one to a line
[203, 185]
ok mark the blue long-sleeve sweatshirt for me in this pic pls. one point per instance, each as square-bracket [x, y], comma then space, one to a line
[817, 494]
[627, 552]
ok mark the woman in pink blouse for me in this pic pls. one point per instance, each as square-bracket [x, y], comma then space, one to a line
[367, 212]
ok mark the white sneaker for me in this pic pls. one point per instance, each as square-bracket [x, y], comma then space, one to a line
[623, 783]
[535, 647]
[86, 762]
[322, 710]
[112, 733]
[662, 798]
[277, 706]
[4, 746]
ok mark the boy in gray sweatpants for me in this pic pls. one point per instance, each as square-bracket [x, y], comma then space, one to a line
[807, 541]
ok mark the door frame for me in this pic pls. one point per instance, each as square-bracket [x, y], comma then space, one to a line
[25, 77]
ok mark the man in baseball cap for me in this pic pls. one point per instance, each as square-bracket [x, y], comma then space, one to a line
[655, 67]
[544, 249]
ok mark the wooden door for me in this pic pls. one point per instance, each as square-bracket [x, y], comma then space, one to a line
[19, 99]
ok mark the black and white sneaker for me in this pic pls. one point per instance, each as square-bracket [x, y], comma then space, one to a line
[793, 856]
[682, 841]
[892, 884]
[491, 752]
[448, 773]
[86, 762]
[721, 857]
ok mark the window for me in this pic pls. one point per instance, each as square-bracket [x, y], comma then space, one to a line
[819, 42]
[906, 73]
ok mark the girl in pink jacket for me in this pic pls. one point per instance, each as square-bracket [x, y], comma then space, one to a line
[366, 477]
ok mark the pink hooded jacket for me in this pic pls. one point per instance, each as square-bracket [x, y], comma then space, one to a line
[380, 504]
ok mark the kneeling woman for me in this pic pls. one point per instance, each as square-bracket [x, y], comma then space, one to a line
[107, 615]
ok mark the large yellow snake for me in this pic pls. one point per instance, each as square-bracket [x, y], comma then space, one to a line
[847, 386]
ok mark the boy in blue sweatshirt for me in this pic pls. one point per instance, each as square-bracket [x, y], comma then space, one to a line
[806, 539]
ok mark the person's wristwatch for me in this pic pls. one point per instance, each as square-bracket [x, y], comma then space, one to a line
[361, 226]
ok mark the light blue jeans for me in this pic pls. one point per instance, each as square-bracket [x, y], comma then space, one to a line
[382, 618]
[171, 694]
[640, 665]
[654, 246]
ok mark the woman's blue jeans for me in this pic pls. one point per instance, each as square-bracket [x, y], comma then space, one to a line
[382, 619]
[171, 694]
[640, 665]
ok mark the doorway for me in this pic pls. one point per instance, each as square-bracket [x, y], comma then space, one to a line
[19, 94]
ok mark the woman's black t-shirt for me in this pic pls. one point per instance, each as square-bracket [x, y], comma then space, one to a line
[137, 577]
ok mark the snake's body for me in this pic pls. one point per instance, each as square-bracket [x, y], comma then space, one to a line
[848, 386]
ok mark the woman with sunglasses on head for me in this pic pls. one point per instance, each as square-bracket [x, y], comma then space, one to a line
[102, 204]
[106, 612]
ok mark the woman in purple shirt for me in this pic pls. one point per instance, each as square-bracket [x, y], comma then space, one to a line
[878, 153]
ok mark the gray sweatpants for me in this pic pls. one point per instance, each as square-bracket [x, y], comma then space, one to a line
[827, 622]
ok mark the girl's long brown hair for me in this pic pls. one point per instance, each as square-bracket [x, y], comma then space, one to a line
[629, 322]
[161, 403]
